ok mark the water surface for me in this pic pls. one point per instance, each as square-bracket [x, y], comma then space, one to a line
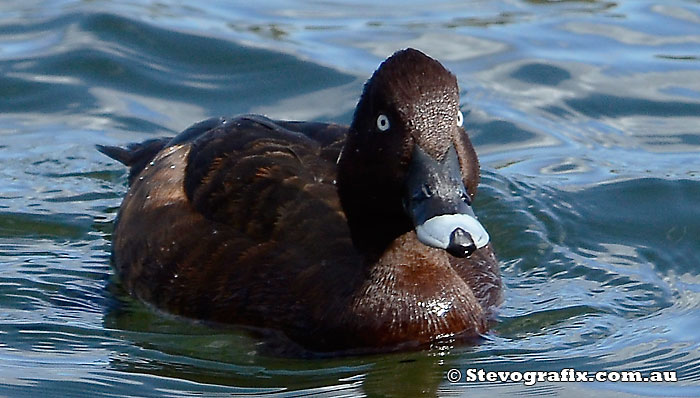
[585, 115]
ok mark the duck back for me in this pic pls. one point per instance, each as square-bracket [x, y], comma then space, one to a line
[237, 224]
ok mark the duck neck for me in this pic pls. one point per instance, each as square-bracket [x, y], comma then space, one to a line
[372, 202]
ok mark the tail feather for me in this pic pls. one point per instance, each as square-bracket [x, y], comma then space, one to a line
[135, 155]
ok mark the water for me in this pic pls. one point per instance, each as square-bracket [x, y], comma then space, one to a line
[585, 115]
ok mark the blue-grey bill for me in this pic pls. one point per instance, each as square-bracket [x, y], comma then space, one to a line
[437, 230]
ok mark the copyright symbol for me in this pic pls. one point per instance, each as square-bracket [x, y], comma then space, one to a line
[454, 375]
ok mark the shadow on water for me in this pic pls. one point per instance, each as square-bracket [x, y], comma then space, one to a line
[182, 349]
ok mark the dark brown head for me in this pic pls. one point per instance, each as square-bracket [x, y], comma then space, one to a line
[408, 163]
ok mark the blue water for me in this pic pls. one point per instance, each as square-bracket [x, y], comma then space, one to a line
[585, 115]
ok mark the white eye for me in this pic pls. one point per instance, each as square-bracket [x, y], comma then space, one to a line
[383, 122]
[460, 118]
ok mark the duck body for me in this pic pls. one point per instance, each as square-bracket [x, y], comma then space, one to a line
[310, 229]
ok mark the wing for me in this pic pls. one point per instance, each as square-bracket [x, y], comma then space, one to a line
[237, 222]
[250, 172]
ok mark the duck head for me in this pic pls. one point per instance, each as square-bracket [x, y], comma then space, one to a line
[407, 163]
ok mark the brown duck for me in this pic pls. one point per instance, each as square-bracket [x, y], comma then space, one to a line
[342, 238]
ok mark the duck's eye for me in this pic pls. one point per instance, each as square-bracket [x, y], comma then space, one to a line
[383, 122]
[460, 118]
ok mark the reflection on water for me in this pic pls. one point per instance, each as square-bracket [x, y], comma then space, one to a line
[585, 115]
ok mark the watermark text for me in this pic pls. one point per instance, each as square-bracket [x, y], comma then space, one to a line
[530, 378]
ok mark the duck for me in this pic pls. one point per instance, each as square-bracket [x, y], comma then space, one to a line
[341, 238]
